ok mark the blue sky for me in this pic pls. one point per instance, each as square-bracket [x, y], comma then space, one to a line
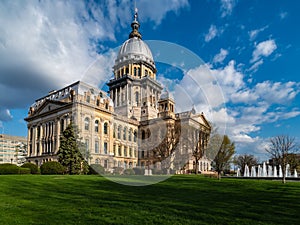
[250, 48]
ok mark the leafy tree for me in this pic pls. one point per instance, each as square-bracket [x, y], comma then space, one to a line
[281, 148]
[242, 160]
[214, 143]
[225, 152]
[69, 154]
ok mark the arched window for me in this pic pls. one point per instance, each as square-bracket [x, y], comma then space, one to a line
[97, 126]
[125, 133]
[86, 123]
[105, 128]
[127, 70]
[97, 161]
[119, 132]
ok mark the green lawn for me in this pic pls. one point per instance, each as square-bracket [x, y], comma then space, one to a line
[35, 199]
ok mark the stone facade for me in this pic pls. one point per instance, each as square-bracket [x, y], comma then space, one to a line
[115, 126]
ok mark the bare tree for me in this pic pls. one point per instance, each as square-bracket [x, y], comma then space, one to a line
[225, 152]
[245, 159]
[280, 148]
[164, 152]
[199, 147]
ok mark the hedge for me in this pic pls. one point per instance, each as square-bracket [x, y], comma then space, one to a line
[52, 167]
[33, 168]
[8, 168]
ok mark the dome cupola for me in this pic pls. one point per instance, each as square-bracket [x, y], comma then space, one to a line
[135, 51]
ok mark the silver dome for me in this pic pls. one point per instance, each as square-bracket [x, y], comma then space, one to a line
[137, 49]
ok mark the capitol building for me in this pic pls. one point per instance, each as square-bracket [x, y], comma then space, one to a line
[131, 125]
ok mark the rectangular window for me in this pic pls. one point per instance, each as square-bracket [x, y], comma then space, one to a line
[130, 152]
[96, 146]
[125, 151]
[119, 150]
[115, 150]
[105, 148]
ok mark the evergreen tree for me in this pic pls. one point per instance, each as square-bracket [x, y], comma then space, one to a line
[69, 154]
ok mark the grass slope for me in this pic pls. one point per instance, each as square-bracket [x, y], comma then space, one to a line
[31, 199]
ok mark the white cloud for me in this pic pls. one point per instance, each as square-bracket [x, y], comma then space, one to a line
[5, 115]
[247, 109]
[256, 65]
[253, 33]
[219, 58]
[212, 33]
[264, 48]
[283, 15]
[157, 10]
[227, 7]
[45, 45]
[284, 92]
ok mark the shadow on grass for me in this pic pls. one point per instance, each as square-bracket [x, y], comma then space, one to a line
[178, 200]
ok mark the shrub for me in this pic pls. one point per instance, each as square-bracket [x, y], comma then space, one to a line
[24, 170]
[129, 172]
[139, 171]
[95, 169]
[33, 168]
[52, 168]
[8, 168]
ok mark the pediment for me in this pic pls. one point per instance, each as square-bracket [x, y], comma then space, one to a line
[48, 106]
[201, 119]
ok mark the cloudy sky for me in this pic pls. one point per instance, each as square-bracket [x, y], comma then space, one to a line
[247, 81]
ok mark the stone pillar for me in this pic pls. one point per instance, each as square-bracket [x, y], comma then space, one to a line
[33, 141]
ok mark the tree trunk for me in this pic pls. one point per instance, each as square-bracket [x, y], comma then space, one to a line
[219, 175]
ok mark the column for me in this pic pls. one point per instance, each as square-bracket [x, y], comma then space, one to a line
[34, 141]
[57, 135]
